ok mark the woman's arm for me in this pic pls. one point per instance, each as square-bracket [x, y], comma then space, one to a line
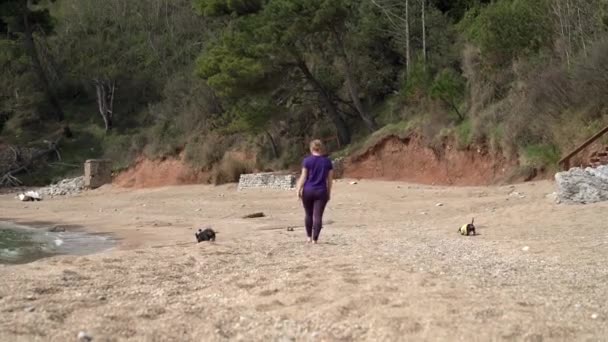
[301, 181]
[330, 183]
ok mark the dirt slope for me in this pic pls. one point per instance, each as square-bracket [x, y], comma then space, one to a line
[410, 159]
[148, 173]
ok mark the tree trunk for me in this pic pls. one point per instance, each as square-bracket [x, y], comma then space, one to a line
[32, 51]
[424, 32]
[557, 9]
[454, 107]
[581, 31]
[407, 38]
[105, 101]
[330, 107]
[352, 86]
[275, 150]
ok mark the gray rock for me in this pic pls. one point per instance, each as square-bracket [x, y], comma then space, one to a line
[83, 336]
[582, 186]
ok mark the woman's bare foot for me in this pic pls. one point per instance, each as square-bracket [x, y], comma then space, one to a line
[315, 242]
[309, 240]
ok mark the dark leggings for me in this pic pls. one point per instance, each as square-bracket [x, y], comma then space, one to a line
[314, 204]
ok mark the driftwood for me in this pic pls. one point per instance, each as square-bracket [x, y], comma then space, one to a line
[9, 179]
[254, 215]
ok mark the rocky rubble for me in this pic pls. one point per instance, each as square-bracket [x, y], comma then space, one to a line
[65, 187]
[267, 180]
[583, 186]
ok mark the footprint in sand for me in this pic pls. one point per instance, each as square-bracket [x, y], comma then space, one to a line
[274, 305]
[267, 293]
[245, 286]
[350, 279]
[152, 313]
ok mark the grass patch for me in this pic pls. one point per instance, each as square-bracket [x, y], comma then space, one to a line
[464, 134]
[540, 156]
[400, 129]
[229, 170]
[388, 111]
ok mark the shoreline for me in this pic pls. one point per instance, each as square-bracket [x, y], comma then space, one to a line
[42, 242]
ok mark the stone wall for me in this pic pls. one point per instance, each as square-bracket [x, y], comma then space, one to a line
[267, 181]
[97, 172]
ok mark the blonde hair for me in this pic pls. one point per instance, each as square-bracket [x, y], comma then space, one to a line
[317, 146]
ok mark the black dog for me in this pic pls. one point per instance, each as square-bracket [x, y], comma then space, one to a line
[467, 228]
[205, 235]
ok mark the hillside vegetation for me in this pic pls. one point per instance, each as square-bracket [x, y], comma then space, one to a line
[526, 79]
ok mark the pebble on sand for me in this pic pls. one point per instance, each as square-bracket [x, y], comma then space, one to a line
[525, 249]
[594, 316]
[83, 336]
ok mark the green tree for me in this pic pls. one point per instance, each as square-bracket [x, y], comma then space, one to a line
[124, 51]
[19, 21]
[306, 45]
[507, 29]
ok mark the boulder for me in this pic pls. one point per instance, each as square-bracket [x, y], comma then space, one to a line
[583, 186]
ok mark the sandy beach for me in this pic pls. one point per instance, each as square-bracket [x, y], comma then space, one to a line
[390, 266]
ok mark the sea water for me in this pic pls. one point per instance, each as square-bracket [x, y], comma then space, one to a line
[22, 244]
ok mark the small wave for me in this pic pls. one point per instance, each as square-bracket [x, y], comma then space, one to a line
[19, 244]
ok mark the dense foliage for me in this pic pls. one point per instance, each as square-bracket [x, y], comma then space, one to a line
[122, 78]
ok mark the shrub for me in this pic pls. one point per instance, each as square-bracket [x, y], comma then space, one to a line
[540, 156]
[449, 87]
[464, 134]
[206, 151]
[123, 149]
[229, 170]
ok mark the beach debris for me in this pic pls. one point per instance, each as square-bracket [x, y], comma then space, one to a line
[525, 248]
[290, 229]
[517, 194]
[29, 196]
[594, 316]
[254, 215]
[30, 309]
[439, 205]
[353, 183]
[84, 337]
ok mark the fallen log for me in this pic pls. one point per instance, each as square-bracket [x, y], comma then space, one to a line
[9, 179]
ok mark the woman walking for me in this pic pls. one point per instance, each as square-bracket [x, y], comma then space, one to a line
[314, 188]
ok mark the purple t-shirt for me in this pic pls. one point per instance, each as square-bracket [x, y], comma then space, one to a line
[318, 168]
